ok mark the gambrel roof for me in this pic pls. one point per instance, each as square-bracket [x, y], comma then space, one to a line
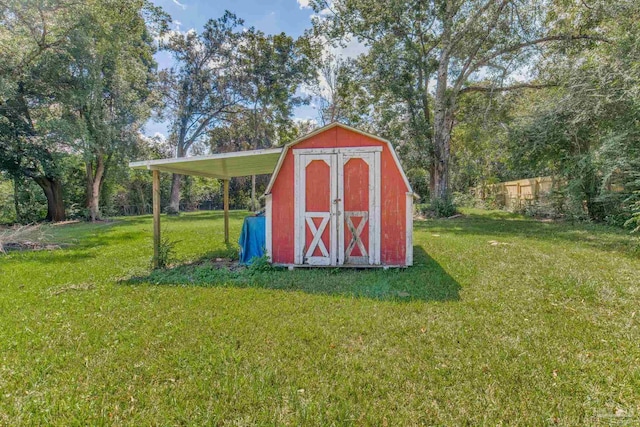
[324, 129]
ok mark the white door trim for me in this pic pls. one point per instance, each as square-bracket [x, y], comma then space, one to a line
[336, 158]
[302, 219]
[268, 213]
[377, 182]
[339, 203]
[409, 230]
[373, 252]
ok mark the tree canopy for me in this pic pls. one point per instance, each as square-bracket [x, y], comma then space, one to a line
[471, 92]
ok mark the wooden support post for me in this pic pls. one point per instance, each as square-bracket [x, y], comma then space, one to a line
[226, 211]
[253, 193]
[156, 217]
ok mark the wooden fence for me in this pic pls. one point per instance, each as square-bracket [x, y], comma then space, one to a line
[516, 194]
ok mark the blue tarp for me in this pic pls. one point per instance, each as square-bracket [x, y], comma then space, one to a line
[252, 238]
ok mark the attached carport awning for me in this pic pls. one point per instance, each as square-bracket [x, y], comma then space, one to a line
[221, 166]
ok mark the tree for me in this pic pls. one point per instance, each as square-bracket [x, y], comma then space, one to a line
[339, 90]
[480, 140]
[586, 130]
[428, 54]
[272, 67]
[202, 90]
[109, 70]
[226, 77]
[75, 81]
[31, 33]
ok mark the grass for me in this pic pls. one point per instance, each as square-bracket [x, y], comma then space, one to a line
[502, 320]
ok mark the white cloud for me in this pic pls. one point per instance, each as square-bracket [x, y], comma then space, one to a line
[309, 120]
[182, 5]
[352, 49]
[324, 13]
[158, 138]
[166, 37]
[306, 90]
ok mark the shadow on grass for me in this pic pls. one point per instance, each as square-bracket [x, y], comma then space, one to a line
[80, 240]
[425, 281]
[229, 252]
[112, 239]
[188, 217]
[503, 226]
[60, 256]
[77, 248]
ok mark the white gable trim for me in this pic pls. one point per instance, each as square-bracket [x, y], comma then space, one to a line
[325, 128]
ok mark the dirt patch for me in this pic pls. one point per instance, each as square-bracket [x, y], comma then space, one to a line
[225, 263]
[496, 243]
[216, 263]
[81, 221]
[25, 238]
[59, 223]
[431, 215]
[29, 246]
[548, 220]
[80, 287]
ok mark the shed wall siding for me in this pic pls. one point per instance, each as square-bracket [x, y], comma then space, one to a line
[393, 198]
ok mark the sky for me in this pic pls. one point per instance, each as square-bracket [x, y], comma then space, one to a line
[269, 16]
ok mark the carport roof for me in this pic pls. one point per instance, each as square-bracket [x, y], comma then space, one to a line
[221, 166]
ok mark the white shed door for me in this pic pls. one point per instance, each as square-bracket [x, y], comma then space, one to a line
[337, 209]
[316, 192]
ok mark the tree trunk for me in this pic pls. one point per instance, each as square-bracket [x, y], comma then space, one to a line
[94, 185]
[442, 121]
[16, 202]
[253, 193]
[176, 179]
[88, 191]
[174, 200]
[53, 191]
[432, 179]
[143, 200]
[439, 180]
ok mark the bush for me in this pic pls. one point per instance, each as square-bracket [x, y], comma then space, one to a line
[260, 264]
[165, 252]
[31, 200]
[439, 208]
[7, 207]
[419, 180]
[634, 221]
[465, 200]
[169, 210]
[421, 208]
[541, 208]
[21, 234]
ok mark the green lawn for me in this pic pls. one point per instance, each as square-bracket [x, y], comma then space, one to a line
[540, 327]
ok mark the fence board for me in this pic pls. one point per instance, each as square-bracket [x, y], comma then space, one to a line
[515, 194]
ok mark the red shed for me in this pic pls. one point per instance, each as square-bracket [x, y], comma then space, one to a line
[339, 197]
